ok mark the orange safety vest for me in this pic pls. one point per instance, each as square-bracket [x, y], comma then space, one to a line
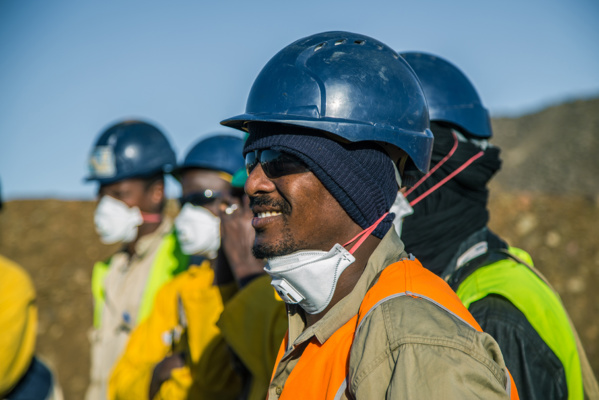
[323, 368]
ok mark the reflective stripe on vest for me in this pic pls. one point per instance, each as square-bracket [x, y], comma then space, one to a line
[325, 366]
[541, 307]
[169, 261]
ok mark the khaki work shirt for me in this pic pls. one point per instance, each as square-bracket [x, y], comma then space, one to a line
[123, 287]
[406, 348]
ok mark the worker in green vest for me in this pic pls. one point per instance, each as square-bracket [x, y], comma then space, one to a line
[128, 161]
[448, 233]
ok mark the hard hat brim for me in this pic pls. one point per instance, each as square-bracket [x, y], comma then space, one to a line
[414, 143]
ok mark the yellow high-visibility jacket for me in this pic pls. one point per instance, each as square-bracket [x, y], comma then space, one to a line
[183, 318]
[18, 321]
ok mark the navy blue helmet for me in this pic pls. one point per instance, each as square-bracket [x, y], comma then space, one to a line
[349, 85]
[220, 152]
[450, 95]
[130, 149]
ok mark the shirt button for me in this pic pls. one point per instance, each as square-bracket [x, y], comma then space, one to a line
[278, 390]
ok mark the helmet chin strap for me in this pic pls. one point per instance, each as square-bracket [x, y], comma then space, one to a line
[436, 167]
[152, 218]
[364, 235]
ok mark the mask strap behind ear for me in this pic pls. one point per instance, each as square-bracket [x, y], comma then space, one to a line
[151, 217]
[448, 177]
[436, 167]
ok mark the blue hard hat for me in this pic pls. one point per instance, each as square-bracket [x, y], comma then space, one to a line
[130, 149]
[220, 152]
[347, 84]
[450, 95]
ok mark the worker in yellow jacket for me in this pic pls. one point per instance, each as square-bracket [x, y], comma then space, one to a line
[22, 375]
[179, 352]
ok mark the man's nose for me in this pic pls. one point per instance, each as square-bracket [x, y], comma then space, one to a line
[257, 182]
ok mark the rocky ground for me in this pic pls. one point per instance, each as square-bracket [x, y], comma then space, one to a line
[545, 200]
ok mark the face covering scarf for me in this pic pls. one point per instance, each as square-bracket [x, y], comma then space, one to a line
[309, 278]
[115, 221]
[450, 202]
[198, 231]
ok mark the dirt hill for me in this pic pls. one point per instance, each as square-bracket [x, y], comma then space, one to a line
[545, 200]
[552, 151]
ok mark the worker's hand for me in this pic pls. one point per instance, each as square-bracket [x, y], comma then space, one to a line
[237, 239]
[162, 371]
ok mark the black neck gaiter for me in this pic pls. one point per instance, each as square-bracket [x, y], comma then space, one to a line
[450, 214]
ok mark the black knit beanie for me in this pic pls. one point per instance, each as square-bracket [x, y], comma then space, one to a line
[359, 175]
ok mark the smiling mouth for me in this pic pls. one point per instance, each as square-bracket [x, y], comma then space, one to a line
[267, 214]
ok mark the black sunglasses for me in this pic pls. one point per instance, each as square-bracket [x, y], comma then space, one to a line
[200, 198]
[274, 163]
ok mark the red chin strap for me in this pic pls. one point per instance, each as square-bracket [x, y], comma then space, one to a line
[151, 217]
[447, 178]
[364, 234]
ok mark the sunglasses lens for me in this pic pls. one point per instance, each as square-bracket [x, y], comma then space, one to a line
[200, 198]
[276, 164]
[250, 162]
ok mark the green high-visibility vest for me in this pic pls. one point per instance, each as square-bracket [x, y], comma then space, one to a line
[169, 261]
[540, 305]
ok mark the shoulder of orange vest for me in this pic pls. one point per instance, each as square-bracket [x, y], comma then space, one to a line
[169, 261]
[513, 278]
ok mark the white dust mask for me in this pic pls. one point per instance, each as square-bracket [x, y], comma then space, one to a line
[198, 231]
[309, 278]
[402, 208]
[115, 221]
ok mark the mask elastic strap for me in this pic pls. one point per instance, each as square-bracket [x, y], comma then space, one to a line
[436, 167]
[448, 177]
[151, 217]
[364, 234]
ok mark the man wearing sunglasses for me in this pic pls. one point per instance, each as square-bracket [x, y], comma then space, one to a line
[179, 351]
[335, 121]
[128, 161]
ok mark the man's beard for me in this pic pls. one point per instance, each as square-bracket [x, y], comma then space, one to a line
[287, 244]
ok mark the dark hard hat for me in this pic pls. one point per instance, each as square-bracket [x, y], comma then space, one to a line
[130, 149]
[347, 84]
[450, 95]
[220, 152]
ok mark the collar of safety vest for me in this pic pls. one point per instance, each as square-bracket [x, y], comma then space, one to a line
[472, 252]
[389, 250]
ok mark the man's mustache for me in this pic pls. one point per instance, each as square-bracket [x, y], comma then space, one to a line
[281, 206]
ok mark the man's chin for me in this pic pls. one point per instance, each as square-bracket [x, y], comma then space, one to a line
[265, 251]
[262, 249]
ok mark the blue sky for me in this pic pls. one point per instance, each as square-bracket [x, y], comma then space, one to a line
[69, 68]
